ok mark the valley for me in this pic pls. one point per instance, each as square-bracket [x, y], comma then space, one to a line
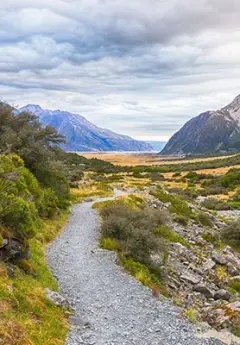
[143, 236]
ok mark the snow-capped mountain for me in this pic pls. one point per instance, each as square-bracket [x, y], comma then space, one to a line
[212, 131]
[82, 135]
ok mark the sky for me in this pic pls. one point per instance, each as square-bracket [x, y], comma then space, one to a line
[139, 67]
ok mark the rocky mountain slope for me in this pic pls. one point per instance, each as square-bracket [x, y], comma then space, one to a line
[212, 131]
[82, 135]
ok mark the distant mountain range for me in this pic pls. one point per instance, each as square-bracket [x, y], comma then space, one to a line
[82, 135]
[209, 132]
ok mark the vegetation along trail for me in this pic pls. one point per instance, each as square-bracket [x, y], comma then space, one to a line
[110, 307]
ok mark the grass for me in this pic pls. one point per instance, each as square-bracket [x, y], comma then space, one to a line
[27, 316]
[96, 189]
[131, 159]
[136, 269]
[109, 244]
[132, 201]
[171, 236]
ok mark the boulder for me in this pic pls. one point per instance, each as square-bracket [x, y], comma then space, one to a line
[219, 258]
[204, 290]
[190, 277]
[57, 299]
[208, 265]
[222, 294]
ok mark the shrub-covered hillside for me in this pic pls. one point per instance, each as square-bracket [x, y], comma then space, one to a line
[35, 180]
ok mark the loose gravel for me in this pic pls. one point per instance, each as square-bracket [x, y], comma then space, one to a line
[111, 308]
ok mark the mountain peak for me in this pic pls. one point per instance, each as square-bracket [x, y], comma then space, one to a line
[214, 132]
[31, 108]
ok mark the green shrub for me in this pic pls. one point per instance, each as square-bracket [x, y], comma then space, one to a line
[177, 174]
[213, 190]
[231, 234]
[181, 220]
[133, 229]
[192, 175]
[231, 179]
[215, 204]
[205, 219]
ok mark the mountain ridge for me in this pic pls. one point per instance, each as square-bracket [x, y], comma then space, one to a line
[209, 132]
[82, 135]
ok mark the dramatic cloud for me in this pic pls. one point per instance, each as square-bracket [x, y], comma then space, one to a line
[141, 67]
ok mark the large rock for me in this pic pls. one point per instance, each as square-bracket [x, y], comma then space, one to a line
[219, 258]
[208, 265]
[56, 298]
[204, 290]
[222, 294]
[190, 277]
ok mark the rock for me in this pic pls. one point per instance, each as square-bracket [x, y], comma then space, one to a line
[222, 294]
[56, 298]
[190, 277]
[204, 290]
[224, 337]
[200, 199]
[208, 265]
[234, 306]
[235, 278]
[219, 258]
[10, 271]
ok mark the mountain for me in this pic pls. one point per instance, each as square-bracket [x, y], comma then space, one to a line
[209, 132]
[82, 135]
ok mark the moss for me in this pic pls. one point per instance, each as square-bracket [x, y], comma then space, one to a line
[171, 236]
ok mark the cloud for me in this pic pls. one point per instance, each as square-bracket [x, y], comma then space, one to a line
[139, 67]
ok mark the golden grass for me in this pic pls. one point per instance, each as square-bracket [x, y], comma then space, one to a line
[215, 171]
[90, 190]
[134, 159]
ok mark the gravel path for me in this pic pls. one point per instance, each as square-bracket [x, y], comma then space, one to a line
[110, 307]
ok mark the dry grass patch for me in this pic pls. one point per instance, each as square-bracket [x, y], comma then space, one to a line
[90, 190]
[134, 159]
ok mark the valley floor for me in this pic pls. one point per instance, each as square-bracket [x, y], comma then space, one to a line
[110, 306]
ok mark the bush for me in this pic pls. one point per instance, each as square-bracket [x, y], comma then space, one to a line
[133, 229]
[192, 175]
[215, 204]
[231, 179]
[180, 220]
[213, 190]
[177, 174]
[231, 234]
[205, 219]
